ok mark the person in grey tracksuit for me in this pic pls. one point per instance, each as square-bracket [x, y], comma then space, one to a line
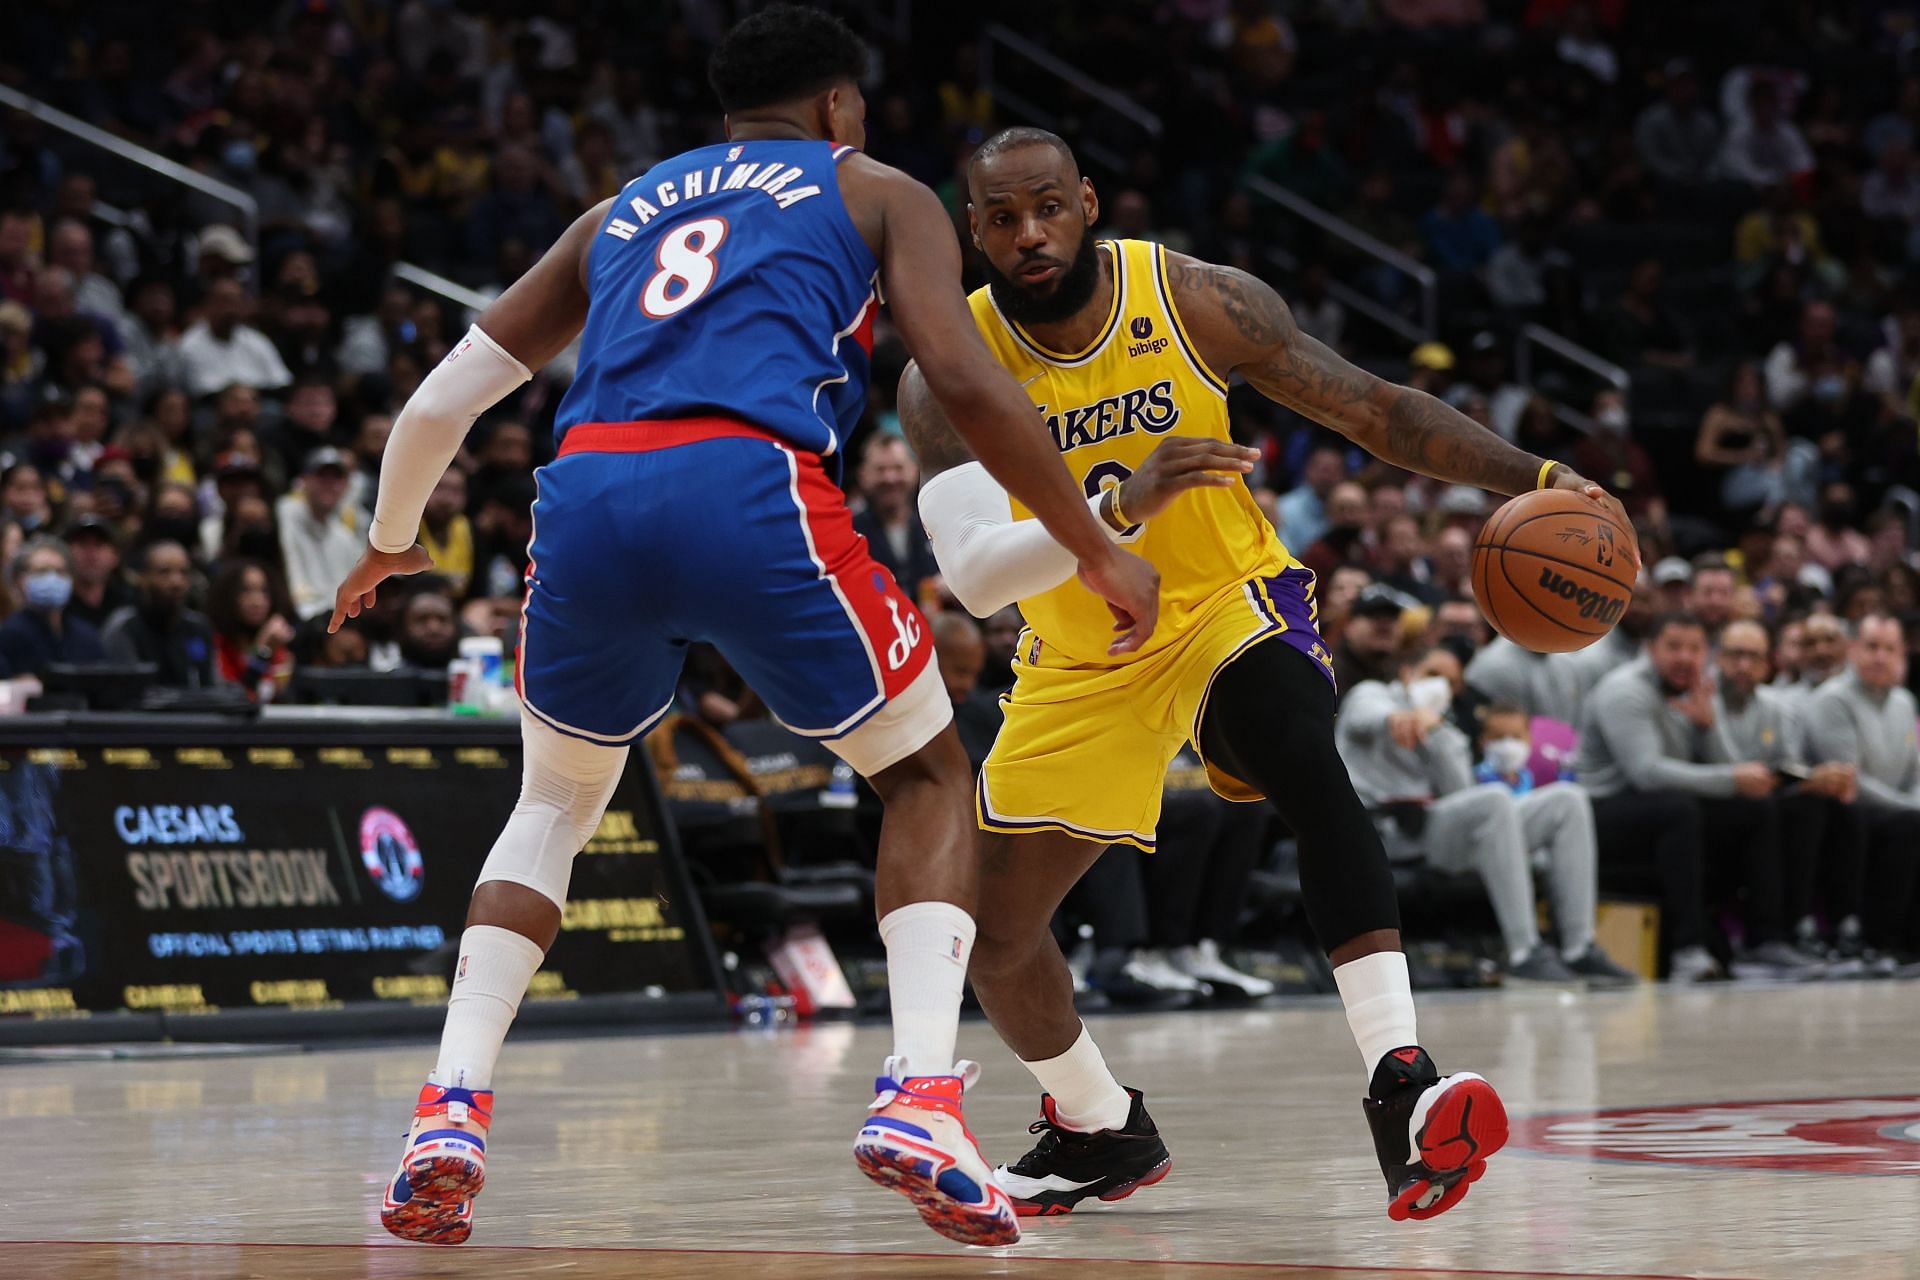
[1668, 791]
[1405, 756]
[1865, 717]
[1816, 800]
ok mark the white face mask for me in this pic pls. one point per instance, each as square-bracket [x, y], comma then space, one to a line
[1613, 418]
[1431, 694]
[1507, 756]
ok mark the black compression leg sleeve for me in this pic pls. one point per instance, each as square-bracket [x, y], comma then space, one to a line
[1269, 721]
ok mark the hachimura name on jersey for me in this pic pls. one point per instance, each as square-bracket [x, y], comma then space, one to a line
[774, 180]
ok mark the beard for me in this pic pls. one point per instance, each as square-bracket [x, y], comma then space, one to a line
[1071, 291]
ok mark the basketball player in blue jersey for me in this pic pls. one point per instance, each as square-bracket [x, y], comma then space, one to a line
[727, 298]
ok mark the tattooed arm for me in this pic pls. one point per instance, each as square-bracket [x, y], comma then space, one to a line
[1242, 326]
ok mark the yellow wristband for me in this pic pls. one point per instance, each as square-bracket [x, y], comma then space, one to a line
[1113, 505]
[1541, 481]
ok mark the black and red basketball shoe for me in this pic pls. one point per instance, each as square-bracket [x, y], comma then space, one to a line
[1068, 1165]
[1433, 1133]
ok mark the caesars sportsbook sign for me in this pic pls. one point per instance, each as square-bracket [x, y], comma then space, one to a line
[202, 878]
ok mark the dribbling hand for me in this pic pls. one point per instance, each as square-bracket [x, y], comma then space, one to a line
[356, 594]
[1569, 479]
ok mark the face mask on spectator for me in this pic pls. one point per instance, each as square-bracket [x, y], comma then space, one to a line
[1507, 756]
[1431, 694]
[48, 590]
[1613, 418]
[1829, 387]
[238, 157]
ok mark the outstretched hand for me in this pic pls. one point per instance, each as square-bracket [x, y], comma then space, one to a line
[1177, 464]
[356, 594]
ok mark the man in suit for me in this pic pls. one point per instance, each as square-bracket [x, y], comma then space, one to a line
[888, 478]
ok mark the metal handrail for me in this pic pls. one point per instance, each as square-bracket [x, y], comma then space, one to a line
[1028, 109]
[1572, 352]
[1111, 98]
[145, 157]
[433, 282]
[1340, 229]
[248, 208]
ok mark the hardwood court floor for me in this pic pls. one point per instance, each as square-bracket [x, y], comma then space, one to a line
[723, 1155]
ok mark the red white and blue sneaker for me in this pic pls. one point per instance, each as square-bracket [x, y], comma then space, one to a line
[424, 1221]
[915, 1141]
[1070, 1165]
[1433, 1133]
[444, 1167]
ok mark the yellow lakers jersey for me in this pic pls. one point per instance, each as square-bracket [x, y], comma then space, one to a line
[1141, 381]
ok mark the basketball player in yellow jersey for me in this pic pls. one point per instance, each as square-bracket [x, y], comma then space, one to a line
[1126, 349]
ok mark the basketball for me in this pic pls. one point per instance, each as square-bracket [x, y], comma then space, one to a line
[1553, 571]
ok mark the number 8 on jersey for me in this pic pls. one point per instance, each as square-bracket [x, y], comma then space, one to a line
[687, 268]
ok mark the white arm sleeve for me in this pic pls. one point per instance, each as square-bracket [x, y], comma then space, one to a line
[988, 558]
[473, 378]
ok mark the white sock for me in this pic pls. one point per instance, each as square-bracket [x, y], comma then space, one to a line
[928, 944]
[1085, 1094]
[495, 967]
[1379, 1000]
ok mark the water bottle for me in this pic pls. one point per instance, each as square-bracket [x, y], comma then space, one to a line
[462, 677]
[484, 658]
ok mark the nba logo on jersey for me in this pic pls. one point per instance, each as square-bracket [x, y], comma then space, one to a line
[733, 153]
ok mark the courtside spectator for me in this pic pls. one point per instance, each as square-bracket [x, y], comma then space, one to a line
[40, 632]
[1865, 717]
[890, 522]
[1408, 761]
[159, 628]
[1669, 800]
[252, 631]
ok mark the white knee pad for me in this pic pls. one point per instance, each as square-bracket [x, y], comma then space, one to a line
[906, 724]
[564, 789]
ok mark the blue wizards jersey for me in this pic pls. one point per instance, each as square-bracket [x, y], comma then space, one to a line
[730, 282]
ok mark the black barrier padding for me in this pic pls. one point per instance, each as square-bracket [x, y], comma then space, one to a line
[290, 868]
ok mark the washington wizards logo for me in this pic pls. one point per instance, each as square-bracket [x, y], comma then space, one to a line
[1825, 1135]
[391, 855]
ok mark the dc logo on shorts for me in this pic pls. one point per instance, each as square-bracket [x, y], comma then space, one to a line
[906, 635]
[391, 855]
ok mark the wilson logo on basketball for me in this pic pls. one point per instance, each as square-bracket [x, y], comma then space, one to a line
[1592, 604]
[1825, 1135]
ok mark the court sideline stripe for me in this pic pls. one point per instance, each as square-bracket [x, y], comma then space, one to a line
[831, 1253]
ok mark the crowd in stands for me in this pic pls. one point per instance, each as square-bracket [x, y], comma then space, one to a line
[193, 411]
